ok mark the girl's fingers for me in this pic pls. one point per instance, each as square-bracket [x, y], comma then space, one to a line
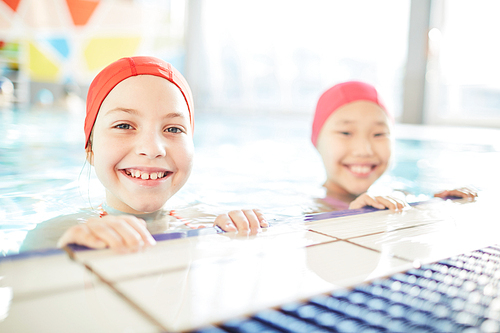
[458, 193]
[123, 233]
[464, 192]
[253, 220]
[130, 237]
[90, 240]
[398, 203]
[371, 201]
[240, 221]
[473, 191]
[358, 203]
[81, 235]
[392, 203]
[379, 202]
[261, 218]
[386, 202]
[107, 234]
[224, 222]
[244, 221]
[441, 194]
[139, 225]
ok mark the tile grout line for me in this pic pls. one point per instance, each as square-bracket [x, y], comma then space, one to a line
[153, 319]
[341, 238]
[135, 306]
[337, 239]
[32, 295]
[219, 260]
[374, 250]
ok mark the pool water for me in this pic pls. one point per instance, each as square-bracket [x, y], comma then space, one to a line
[241, 161]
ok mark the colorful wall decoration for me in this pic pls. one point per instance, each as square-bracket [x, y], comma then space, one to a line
[71, 40]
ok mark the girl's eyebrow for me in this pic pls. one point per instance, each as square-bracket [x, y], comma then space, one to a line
[346, 121]
[135, 112]
[352, 121]
[175, 115]
[120, 109]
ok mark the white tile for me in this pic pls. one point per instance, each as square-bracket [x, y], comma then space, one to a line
[93, 309]
[176, 254]
[210, 292]
[386, 221]
[187, 283]
[352, 226]
[379, 221]
[461, 227]
[42, 274]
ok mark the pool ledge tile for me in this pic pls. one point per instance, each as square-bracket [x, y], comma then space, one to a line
[211, 292]
[178, 254]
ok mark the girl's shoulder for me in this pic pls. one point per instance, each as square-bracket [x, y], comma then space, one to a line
[46, 233]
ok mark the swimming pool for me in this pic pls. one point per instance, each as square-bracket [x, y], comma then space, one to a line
[253, 160]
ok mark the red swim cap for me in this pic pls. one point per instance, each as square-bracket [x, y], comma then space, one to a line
[124, 68]
[339, 95]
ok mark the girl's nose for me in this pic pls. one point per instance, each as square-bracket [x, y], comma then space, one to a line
[362, 147]
[151, 145]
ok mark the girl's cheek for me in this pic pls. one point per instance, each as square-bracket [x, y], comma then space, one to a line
[385, 149]
[185, 152]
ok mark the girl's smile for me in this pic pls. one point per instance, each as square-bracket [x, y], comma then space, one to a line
[361, 170]
[146, 176]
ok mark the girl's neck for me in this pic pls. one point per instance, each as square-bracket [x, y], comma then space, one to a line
[145, 216]
[333, 190]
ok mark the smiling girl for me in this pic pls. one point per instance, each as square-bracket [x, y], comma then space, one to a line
[139, 138]
[352, 131]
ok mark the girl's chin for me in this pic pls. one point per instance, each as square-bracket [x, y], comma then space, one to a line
[358, 191]
[137, 203]
[359, 188]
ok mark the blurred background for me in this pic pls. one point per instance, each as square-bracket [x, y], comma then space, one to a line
[434, 61]
[256, 69]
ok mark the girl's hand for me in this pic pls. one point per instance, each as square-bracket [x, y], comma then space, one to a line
[248, 221]
[463, 192]
[124, 233]
[380, 202]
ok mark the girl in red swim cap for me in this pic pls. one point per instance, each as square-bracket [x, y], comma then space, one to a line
[352, 132]
[138, 128]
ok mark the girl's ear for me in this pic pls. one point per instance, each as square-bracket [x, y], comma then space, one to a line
[90, 155]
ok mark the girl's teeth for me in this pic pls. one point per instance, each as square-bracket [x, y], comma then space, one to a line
[145, 175]
[360, 169]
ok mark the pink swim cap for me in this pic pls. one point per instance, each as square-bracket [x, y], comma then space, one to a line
[339, 95]
[124, 68]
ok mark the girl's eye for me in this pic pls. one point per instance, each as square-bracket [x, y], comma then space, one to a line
[345, 133]
[174, 130]
[123, 126]
[377, 135]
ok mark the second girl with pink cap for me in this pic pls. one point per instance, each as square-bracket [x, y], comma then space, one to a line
[352, 131]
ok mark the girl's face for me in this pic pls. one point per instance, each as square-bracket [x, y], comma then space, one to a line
[142, 147]
[355, 145]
